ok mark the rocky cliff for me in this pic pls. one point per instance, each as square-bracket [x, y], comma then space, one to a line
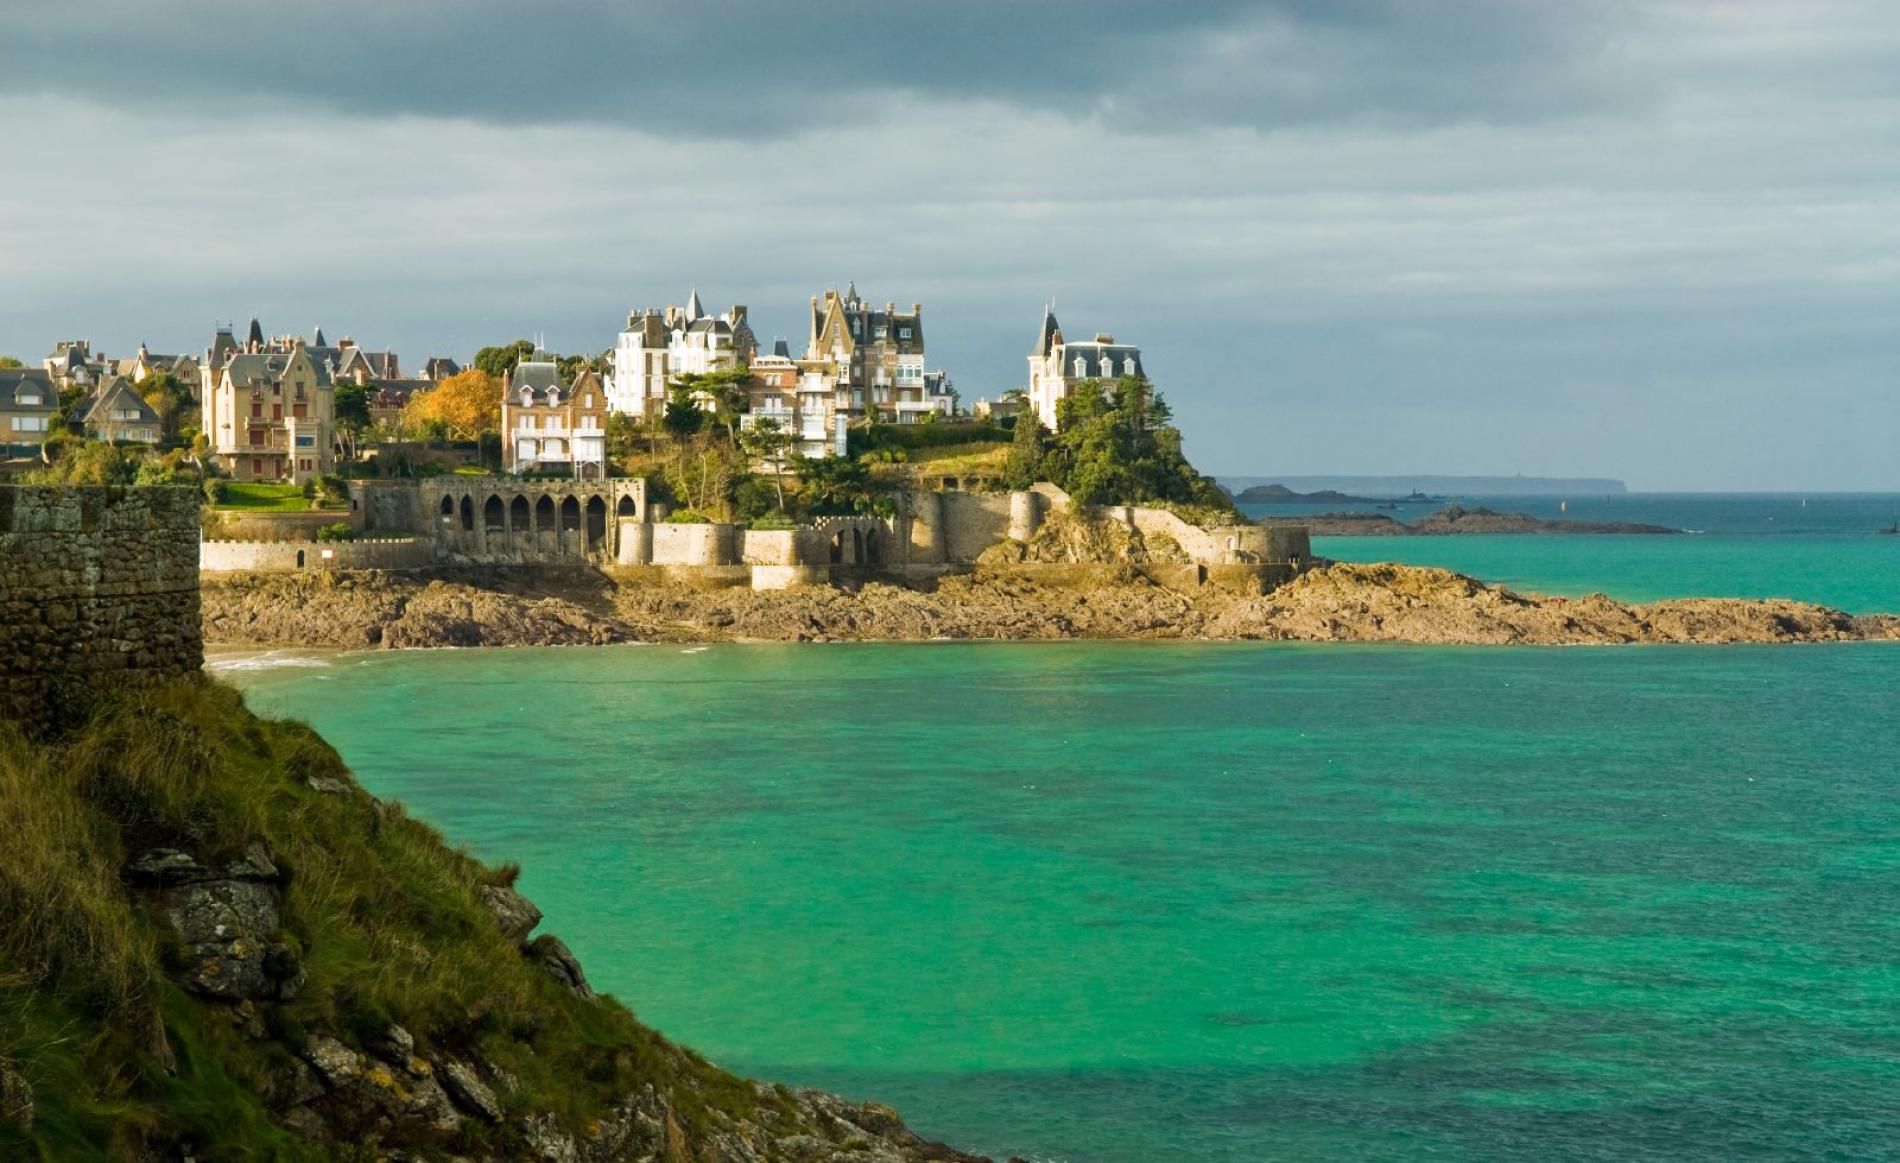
[1000, 601]
[214, 945]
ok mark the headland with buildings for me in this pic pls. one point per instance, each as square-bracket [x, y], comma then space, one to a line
[671, 485]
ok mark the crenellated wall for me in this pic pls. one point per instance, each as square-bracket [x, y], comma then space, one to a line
[98, 586]
[289, 556]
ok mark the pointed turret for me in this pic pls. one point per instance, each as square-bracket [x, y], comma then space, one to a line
[254, 338]
[318, 341]
[693, 310]
[1050, 330]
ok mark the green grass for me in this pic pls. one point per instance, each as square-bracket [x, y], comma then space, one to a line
[263, 498]
[387, 916]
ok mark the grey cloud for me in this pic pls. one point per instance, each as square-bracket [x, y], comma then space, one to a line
[1634, 241]
[750, 69]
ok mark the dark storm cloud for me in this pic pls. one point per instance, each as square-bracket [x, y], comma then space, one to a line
[747, 69]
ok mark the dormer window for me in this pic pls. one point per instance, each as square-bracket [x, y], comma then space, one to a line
[1081, 366]
[527, 397]
[31, 399]
[554, 397]
[903, 333]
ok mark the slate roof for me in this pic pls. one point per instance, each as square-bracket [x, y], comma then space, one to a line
[18, 381]
[1045, 337]
[396, 393]
[538, 376]
[118, 393]
[262, 369]
[1099, 360]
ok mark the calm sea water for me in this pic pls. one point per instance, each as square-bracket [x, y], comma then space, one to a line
[1138, 902]
[1823, 547]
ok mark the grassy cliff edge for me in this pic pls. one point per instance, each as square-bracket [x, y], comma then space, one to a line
[214, 943]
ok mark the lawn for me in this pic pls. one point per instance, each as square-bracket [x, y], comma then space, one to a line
[263, 498]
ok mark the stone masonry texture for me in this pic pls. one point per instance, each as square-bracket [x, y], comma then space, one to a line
[98, 587]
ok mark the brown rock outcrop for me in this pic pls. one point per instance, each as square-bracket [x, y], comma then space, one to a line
[1342, 602]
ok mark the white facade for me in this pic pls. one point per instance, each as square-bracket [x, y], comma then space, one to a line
[1056, 365]
[658, 345]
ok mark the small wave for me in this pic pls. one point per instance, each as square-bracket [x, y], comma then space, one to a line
[269, 660]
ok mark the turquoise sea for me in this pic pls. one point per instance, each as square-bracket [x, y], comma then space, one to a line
[1132, 902]
[1129, 902]
[1819, 547]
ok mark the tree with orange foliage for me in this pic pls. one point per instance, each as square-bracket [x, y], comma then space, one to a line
[464, 406]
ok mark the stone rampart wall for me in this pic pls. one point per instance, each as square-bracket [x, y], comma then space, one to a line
[98, 586]
[391, 508]
[972, 522]
[694, 544]
[287, 556]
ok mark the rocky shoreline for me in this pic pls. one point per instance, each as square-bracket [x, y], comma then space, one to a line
[543, 606]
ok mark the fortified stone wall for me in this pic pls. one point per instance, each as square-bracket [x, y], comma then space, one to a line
[392, 508]
[972, 522]
[98, 586]
[495, 520]
[290, 556]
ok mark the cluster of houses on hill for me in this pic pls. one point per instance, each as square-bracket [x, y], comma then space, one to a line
[269, 412]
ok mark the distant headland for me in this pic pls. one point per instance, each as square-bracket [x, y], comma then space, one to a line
[1438, 486]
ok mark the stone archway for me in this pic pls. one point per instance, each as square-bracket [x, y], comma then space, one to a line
[624, 507]
[518, 514]
[468, 514]
[494, 514]
[596, 521]
[570, 514]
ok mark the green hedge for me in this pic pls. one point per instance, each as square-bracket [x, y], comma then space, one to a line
[936, 434]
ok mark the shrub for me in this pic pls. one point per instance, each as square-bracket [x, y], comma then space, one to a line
[340, 531]
[156, 472]
[753, 496]
[688, 517]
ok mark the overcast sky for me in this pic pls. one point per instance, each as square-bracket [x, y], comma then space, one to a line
[1657, 241]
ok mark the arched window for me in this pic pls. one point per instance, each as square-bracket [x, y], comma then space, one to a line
[544, 512]
[570, 514]
[624, 508]
[494, 514]
[518, 513]
[468, 515]
[448, 508]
